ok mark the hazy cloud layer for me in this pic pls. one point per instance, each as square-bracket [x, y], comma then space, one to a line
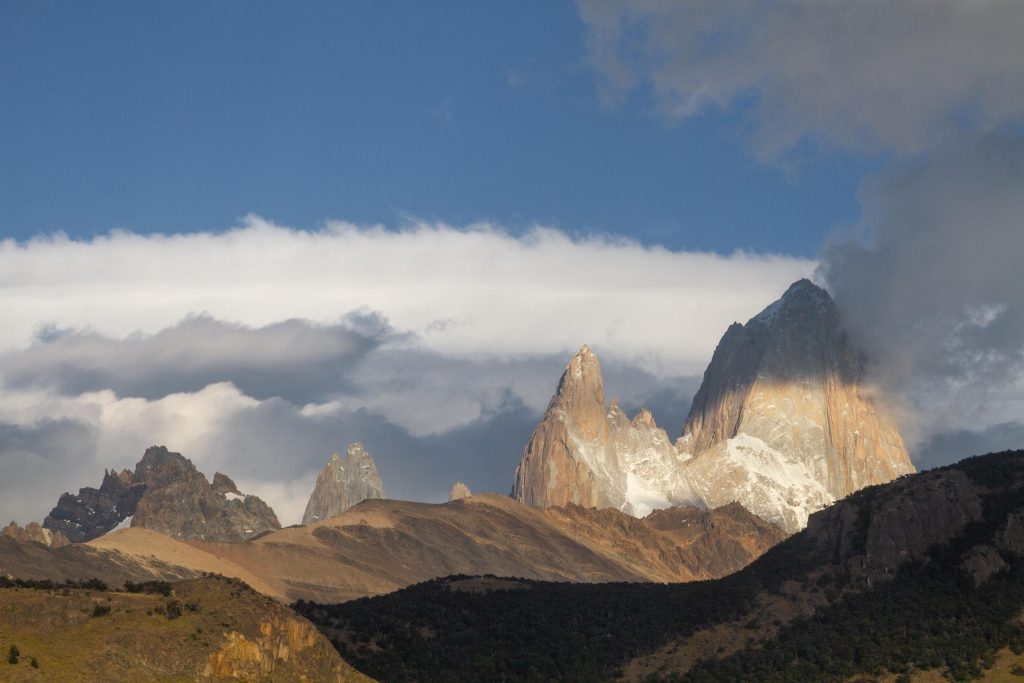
[454, 347]
[294, 359]
[51, 443]
[947, 447]
[866, 75]
[934, 291]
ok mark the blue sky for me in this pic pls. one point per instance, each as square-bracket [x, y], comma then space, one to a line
[179, 117]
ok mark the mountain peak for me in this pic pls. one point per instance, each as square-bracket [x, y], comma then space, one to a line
[343, 483]
[459, 491]
[787, 386]
[570, 449]
[644, 418]
[356, 451]
[802, 299]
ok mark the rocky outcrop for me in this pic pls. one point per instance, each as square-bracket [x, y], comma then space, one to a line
[781, 424]
[459, 491]
[168, 494]
[180, 502]
[35, 533]
[94, 512]
[873, 534]
[342, 483]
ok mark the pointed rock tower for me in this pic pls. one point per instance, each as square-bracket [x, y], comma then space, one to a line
[584, 454]
[570, 458]
[342, 483]
[459, 491]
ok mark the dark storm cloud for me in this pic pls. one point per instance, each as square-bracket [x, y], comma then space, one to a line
[295, 359]
[44, 459]
[934, 293]
[950, 447]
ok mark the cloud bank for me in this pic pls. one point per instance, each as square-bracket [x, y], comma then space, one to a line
[260, 350]
[463, 292]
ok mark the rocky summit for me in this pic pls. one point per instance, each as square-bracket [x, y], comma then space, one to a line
[94, 512]
[782, 424]
[181, 503]
[342, 483]
[459, 491]
[34, 532]
[165, 493]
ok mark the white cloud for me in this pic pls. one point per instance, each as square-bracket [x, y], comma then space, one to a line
[475, 292]
[863, 75]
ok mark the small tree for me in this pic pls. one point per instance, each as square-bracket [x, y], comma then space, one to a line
[13, 654]
[34, 663]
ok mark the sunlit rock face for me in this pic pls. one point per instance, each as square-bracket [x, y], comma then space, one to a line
[459, 491]
[782, 417]
[781, 424]
[342, 483]
[585, 454]
[570, 457]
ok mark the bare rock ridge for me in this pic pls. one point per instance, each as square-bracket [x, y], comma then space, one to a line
[781, 424]
[94, 512]
[342, 483]
[181, 503]
[165, 493]
[459, 491]
[35, 533]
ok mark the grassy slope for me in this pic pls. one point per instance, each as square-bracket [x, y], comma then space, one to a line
[143, 638]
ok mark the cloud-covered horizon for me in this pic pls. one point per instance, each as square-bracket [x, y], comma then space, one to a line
[261, 350]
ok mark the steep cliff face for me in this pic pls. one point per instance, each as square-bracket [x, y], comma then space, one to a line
[791, 379]
[781, 424]
[570, 457]
[342, 483]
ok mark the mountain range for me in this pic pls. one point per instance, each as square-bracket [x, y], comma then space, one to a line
[788, 490]
[782, 424]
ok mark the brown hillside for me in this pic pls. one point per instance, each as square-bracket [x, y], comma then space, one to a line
[382, 545]
[211, 629]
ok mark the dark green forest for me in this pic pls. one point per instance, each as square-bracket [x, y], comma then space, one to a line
[929, 617]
